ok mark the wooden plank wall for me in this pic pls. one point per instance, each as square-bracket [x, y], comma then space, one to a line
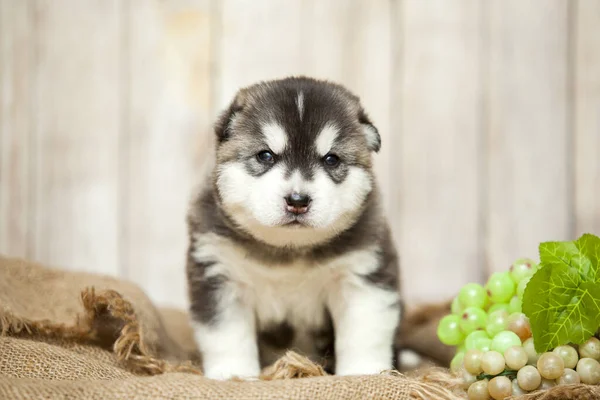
[489, 112]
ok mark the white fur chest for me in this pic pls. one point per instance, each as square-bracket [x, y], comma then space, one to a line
[297, 292]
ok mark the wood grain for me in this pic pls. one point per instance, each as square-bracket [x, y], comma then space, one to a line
[75, 142]
[438, 122]
[169, 139]
[587, 116]
[17, 35]
[528, 142]
[256, 43]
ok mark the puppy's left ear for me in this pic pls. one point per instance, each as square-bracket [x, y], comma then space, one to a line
[370, 132]
[223, 125]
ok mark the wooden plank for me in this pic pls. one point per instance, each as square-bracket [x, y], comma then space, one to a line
[257, 41]
[438, 123]
[75, 135]
[528, 142]
[170, 141]
[16, 63]
[587, 116]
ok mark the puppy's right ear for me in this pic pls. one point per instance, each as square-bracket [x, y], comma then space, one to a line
[223, 124]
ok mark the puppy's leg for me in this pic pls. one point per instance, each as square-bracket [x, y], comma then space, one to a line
[225, 330]
[365, 318]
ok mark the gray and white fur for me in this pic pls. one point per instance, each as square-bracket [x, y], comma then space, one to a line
[289, 248]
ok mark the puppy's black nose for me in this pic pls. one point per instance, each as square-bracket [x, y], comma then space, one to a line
[297, 203]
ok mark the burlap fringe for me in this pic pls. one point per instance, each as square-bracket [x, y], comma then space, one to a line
[292, 365]
[109, 307]
[129, 346]
[11, 324]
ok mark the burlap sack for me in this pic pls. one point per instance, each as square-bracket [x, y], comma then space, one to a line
[67, 335]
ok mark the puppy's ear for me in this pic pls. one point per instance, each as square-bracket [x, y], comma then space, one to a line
[223, 124]
[370, 132]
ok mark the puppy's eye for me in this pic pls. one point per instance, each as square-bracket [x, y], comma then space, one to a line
[331, 160]
[266, 157]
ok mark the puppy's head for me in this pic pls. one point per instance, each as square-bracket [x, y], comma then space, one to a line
[294, 160]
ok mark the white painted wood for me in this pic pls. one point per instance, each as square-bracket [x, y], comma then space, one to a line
[256, 42]
[587, 116]
[438, 121]
[16, 96]
[75, 124]
[169, 140]
[529, 196]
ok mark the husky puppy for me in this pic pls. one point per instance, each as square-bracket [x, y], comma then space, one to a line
[289, 248]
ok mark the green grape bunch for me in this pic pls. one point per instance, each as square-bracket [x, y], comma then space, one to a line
[504, 349]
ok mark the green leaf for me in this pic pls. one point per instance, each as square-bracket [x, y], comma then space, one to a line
[589, 246]
[583, 254]
[562, 299]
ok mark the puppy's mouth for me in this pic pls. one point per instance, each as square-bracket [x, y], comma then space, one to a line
[295, 222]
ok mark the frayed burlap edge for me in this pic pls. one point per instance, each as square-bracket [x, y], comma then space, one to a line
[291, 366]
[107, 308]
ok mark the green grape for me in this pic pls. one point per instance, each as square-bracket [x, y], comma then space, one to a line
[589, 371]
[515, 305]
[472, 361]
[521, 287]
[473, 338]
[504, 340]
[550, 366]
[479, 390]
[515, 357]
[568, 354]
[497, 307]
[529, 378]
[484, 345]
[466, 378]
[472, 318]
[448, 330]
[456, 308]
[522, 268]
[472, 295]
[500, 388]
[492, 362]
[500, 287]
[519, 324]
[457, 361]
[532, 355]
[496, 322]
[488, 304]
[590, 349]
[569, 377]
